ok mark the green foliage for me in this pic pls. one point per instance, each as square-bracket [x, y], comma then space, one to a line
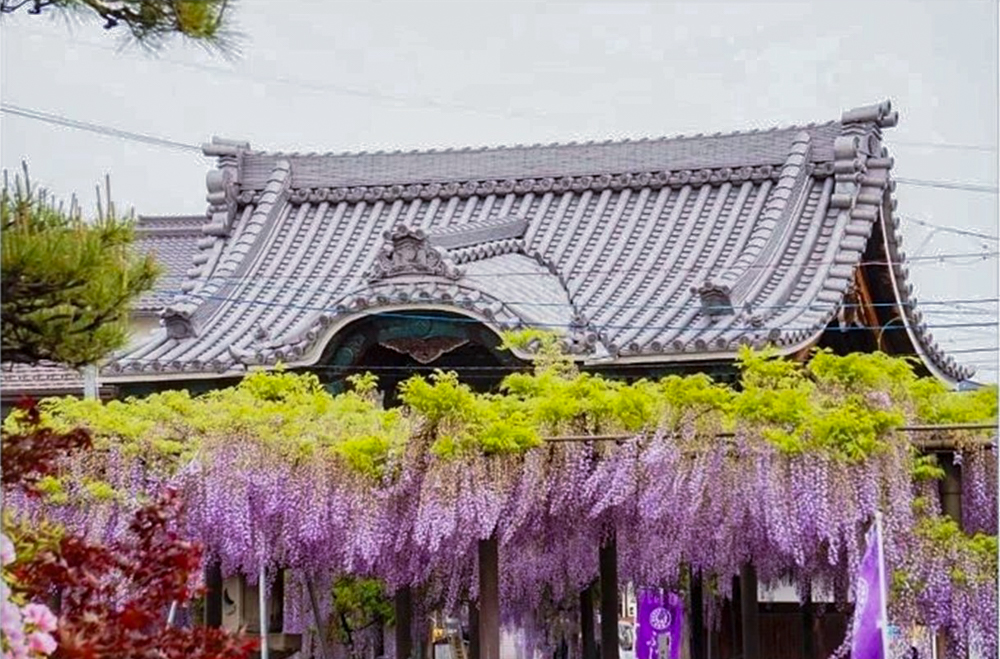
[546, 346]
[359, 603]
[51, 488]
[290, 414]
[926, 468]
[827, 406]
[462, 420]
[150, 22]
[67, 284]
[30, 538]
[947, 539]
[844, 407]
[935, 404]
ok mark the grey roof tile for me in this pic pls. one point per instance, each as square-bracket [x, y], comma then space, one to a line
[666, 249]
[173, 241]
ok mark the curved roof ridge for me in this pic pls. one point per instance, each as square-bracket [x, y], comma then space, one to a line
[485, 148]
[178, 317]
[932, 354]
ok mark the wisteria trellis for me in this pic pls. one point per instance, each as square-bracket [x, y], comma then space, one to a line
[678, 501]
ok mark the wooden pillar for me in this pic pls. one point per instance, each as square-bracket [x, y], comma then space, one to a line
[473, 630]
[213, 594]
[489, 599]
[808, 619]
[735, 619]
[697, 617]
[587, 623]
[609, 598]
[403, 605]
[712, 645]
[750, 612]
[950, 489]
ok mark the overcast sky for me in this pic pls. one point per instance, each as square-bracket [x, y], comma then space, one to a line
[316, 75]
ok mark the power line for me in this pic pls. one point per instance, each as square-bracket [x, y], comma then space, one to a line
[890, 326]
[813, 306]
[944, 145]
[572, 273]
[948, 185]
[938, 227]
[935, 304]
[99, 129]
[963, 351]
[110, 131]
[317, 86]
[313, 85]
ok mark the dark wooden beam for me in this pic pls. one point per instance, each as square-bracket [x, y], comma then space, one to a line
[489, 599]
[608, 560]
[473, 630]
[697, 617]
[712, 646]
[403, 604]
[750, 612]
[213, 594]
[736, 621]
[950, 489]
[808, 621]
[588, 644]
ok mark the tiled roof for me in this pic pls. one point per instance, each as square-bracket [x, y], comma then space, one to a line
[44, 380]
[173, 241]
[653, 250]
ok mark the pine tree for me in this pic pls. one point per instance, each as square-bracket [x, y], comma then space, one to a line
[66, 283]
[150, 22]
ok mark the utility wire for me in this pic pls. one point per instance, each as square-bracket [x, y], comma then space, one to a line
[944, 145]
[949, 185]
[314, 85]
[602, 326]
[963, 351]
[573, 273]
[109, 131]
[319, 86]
[939, 227]
[936, 304]
[99, 129]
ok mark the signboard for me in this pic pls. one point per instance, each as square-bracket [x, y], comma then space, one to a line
[661, 625]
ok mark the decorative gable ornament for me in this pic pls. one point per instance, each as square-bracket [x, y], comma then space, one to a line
[178, 321]
[409, 252]
[716, 299]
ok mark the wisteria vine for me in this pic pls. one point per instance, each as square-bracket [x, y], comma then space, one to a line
[277, 473]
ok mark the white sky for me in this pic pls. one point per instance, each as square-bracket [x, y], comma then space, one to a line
[347, 76]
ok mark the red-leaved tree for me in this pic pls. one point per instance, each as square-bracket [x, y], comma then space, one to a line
[111, 599]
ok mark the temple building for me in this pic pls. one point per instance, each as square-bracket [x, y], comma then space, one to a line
[651, 256]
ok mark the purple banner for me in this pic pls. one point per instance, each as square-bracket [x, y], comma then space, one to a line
[869, 591]
[660, 625]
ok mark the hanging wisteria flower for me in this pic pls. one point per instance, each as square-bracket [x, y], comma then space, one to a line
[278, 473]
